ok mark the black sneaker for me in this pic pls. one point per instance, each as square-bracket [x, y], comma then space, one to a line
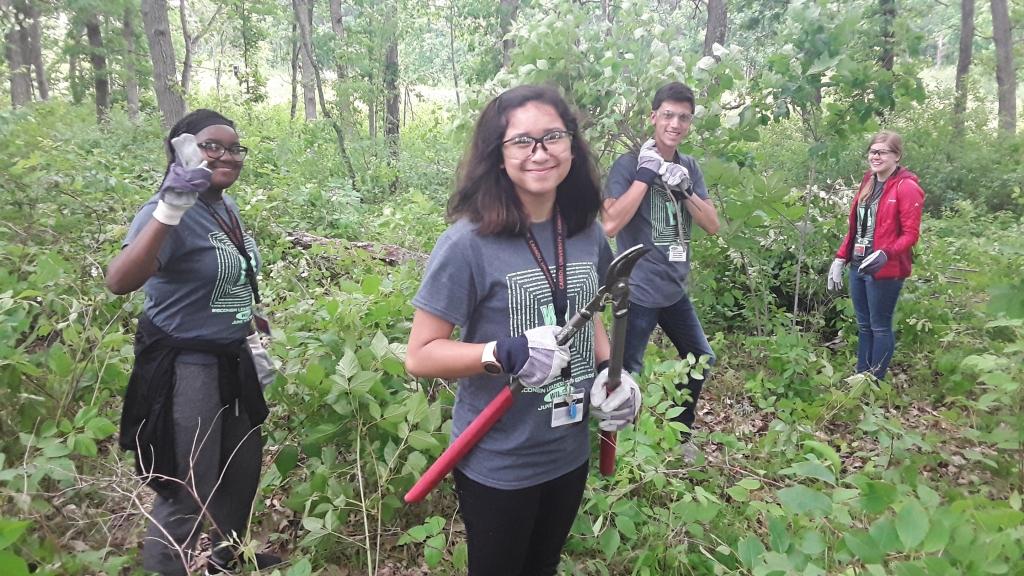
[263, 561]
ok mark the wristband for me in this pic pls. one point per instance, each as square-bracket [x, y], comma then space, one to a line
[646, 175]
[603, 365]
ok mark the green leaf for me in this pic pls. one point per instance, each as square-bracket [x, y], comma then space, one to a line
[801, 499]
[863, 545]
[750, 550]
[912, 524]
[460, 556]
[811, 469]
[11, 530]
[626, 526]
[85, 446]
[348, 365]
[910, 569]
[877, 496]
[433, 551]
[738, 493]
[609, 543]
[884, 532]
[12, 565]
[750, 483]
[937, 538]
[301, 568]
[287, 459]
[100, 428]
[421, 440]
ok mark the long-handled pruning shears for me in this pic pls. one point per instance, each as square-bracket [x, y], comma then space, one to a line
[616, 290]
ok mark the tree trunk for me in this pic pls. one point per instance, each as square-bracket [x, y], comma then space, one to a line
[508, 11]
[131, 83]
[17, 60]
[940, 50]
[338, 26]
[186, 63]
[74, 71]
[304, 15]
[165, 78]
[718, 23]
[97, 55]
[963, 62]
[455, 71]
[887, 9]
[393, 103]
[1006, 74]
[36, 51]
[295, 68]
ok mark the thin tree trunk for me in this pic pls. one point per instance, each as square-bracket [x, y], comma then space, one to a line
[97, 56]
[36, 52]
[393, 104]
[74, 71]
[455, 71]
[161, 50]
[295, 68]
[804, 225]
[887, 9]
[963, 62]
[304, 15]
[508, 11]
[304, 32]
[940, 50]
[17, 60]
[186, 63]
[338, 27]
[131, 83]
[718, 24]
[1006, 73]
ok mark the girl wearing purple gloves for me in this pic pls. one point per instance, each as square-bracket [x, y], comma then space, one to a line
[523, 254]
[194, 403]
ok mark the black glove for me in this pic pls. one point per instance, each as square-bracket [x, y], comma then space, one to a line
[873, 263]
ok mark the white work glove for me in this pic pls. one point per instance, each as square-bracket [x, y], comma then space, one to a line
[534, 357]
[617, 409]
[261, 359]
[835, 275]
[187, 177]
[674, 175]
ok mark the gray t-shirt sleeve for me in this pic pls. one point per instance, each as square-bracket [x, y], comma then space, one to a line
[620, 177]
[168, 248]
[448, 290]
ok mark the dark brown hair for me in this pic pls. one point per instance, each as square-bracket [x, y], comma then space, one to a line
[895, 143]
[674, 92]
[485, 194]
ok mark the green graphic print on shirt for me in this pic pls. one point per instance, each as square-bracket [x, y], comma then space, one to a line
[232, 293]
[530, 305]
[664, 227]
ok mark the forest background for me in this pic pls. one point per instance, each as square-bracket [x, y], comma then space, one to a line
[356, 113]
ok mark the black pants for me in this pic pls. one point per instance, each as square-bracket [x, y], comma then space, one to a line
[519, 532]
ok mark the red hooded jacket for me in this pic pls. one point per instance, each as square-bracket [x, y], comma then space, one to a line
[897, 223]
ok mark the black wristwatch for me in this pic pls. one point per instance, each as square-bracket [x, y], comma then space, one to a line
[490, 360]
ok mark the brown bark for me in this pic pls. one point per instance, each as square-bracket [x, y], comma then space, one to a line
[338, 27]
[295, 68]
[97, 55]
[192, 42]
[1006, 73]
[887, 9]
[17, 59]
[508, 11]
[455, 71]
[36, 51]
[393, 108]
[718, 23]
[131, 82]
[304, 15]
[387, 253]
[161, 50]
[963, 62]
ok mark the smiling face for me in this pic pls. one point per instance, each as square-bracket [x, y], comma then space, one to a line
[539, 174]
[669, 133]
[883, 157]
[226, 168]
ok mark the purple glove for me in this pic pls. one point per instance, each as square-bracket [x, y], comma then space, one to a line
[873, 263]
[187, 177]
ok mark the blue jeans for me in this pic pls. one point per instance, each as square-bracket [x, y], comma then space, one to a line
[681, 325]
[874, 300]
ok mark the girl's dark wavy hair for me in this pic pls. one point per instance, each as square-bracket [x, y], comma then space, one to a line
[193, 123]
[485, 194]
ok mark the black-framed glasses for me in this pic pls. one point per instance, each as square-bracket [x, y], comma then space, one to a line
[880, 152]
[216, 151]
[522, 147]
[669, 116]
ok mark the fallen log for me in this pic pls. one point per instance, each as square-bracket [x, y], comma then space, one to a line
[387, 253]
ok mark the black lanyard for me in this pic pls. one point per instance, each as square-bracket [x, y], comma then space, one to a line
[867, 206]
[557, 283]
[234, 234]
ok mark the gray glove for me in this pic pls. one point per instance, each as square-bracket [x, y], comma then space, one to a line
[617, 409]
[675, 176]
[873, 263]
[187, 177]
[648, 163]
[260, 357]
[835, 275]
[534, 357]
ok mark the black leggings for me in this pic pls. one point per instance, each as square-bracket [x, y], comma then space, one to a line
[519, 532]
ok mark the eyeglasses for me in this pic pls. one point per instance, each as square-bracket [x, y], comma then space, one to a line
[669, 116]
[216, 151]
[522, 147]
[880, 152]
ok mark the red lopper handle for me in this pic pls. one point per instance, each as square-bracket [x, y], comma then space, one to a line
[461, 446]
[607, 453]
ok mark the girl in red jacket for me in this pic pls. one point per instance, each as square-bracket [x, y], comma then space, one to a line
[884, 224]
